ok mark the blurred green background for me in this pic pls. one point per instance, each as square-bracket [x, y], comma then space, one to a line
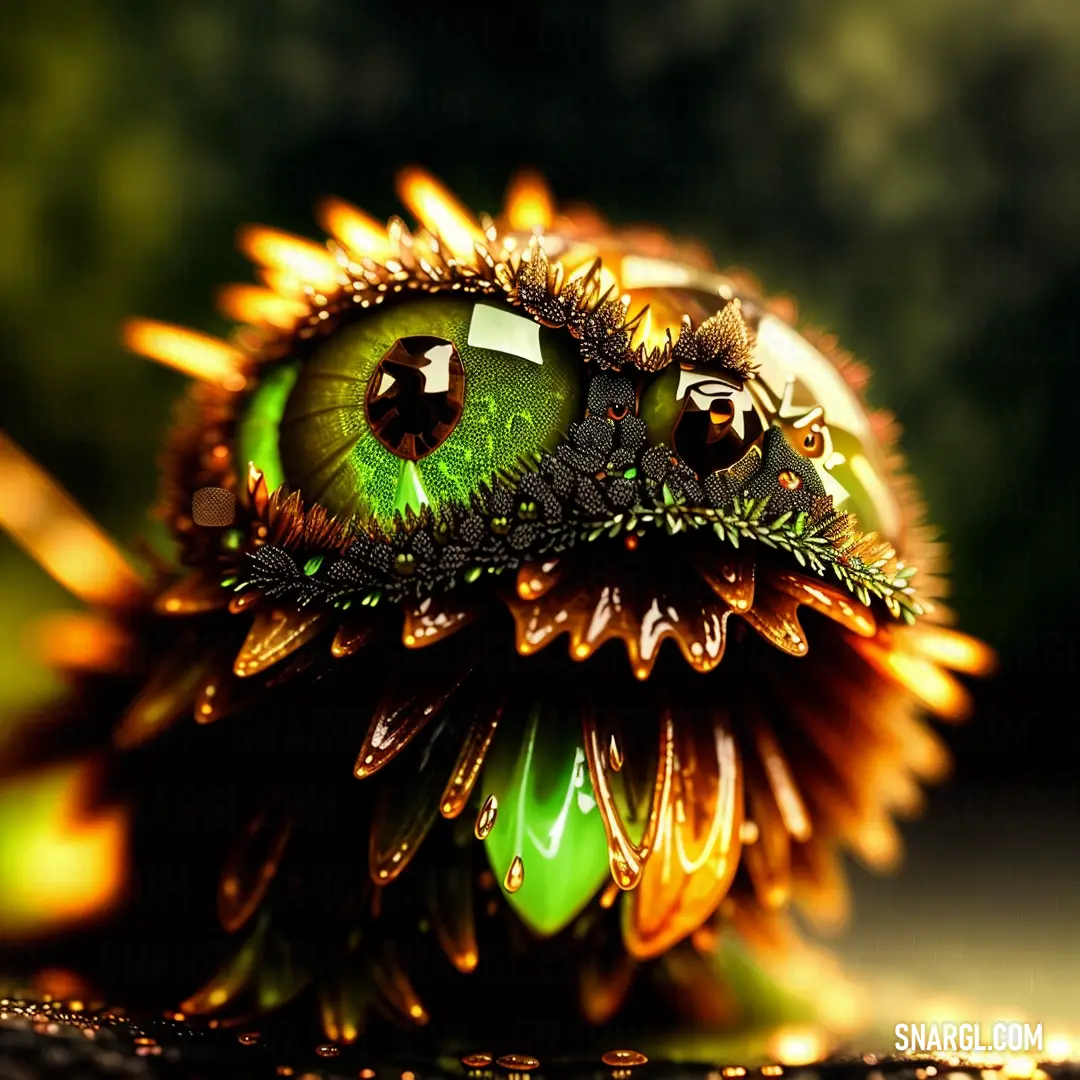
[909, 169]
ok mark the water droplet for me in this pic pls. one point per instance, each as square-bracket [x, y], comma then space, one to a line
[485, 820]
[328, 1050]
[615, 755]
[748, 832]
[284, 1070]
[623, 1058]
[477, 1061]
[518, 1062]
[248, 1038]
[515, 875]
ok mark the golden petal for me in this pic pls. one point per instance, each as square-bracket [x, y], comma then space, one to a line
[396, 989]
[536, 579]
[833, 603]
[603, 988]
[399, 717]
[932, 685]
[360, 234]
[245, 601]
[251, 866]
[731, 577]
[439, 212]
[195, 594]
[57, 533]
[697, 845]
[949, 648]
[343, 1007]
[404, 815]
[819, 885]
[432, 620]
[627, 859]
[83, 641]
[778, 772]
[529, 204]
[275, 634]
[352, 635]
[221, 693]
[470, 760]
[768, 859]
[198, 355]
[775, 616]
[169, 693]
[233, 979]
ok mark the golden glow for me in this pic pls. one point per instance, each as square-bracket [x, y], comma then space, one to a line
[198, 355]
[360, 234]
[61, 861]
[281, 251]
[42, 518]
[1058, 1049]
[797, 1046]
[81, 641]
[1019, 1068]
[258, 306]
[439, 212]
[951, 649]
[933, 686]
[529, 204]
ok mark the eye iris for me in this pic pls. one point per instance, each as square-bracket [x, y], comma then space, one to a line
[416, 395]
[416, 404]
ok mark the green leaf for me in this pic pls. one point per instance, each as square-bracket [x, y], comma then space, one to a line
[547, 815]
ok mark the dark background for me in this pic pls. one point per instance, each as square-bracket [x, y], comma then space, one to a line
[909, 169]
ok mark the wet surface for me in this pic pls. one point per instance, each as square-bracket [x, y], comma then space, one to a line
[50, 1040]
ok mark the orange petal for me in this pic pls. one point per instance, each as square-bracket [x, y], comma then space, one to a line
[251, 866]
[439, 212]
[404, 815]
[529, 204]
[198, 355]
[352, 635]
[394, 985]
[626, 858]
[453, 912]
[432, 620]
[82, 641]
[833, 603]
[356, 231]
[731, 577]
[195, 594]
[775, 616]
[470, 761]
[54, 531]
[169, 693]
[399, 717]
[275, 634]
[697, 845]
[778, 772]
[260, 307]
[931, 684]
[768, 859]
[282, 252]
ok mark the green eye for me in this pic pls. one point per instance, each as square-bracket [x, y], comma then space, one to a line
[411, 405]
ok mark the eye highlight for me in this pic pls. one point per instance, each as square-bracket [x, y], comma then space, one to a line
[414, 404]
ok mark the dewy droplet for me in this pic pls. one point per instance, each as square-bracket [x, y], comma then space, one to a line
[515, 875]
[485, 820]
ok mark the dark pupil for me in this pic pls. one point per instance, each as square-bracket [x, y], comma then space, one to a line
[416, 395]
[705, 434]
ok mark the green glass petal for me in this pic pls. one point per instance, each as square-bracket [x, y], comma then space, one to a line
[547, 814]
[257, 429]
